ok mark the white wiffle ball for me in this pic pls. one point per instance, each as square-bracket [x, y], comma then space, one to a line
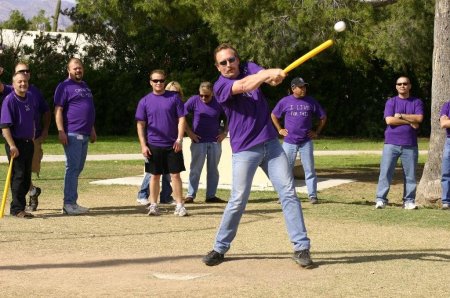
[340, 26]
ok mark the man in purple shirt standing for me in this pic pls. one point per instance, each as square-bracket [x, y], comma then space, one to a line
[254, 144]
[298, 111]
[206, 142]
[75, 117]
[42, 124]
[445, 168]
[403, 115]
[17, 124]
[160, 127]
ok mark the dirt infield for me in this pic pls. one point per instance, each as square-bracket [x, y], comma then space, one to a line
[118, 251]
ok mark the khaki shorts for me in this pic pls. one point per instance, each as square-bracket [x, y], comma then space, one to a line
[37, 156]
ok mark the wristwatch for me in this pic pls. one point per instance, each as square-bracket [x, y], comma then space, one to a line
[179, 141]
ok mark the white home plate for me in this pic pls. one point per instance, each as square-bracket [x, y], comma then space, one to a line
[179, 276]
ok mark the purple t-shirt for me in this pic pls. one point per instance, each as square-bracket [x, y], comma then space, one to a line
[161, 114]
[78, 106]
[18, 114]
[40, 106]
[298, 115]
[445, 110]
[402, 135]
[248, 113]
[7, 89]
[206, 118]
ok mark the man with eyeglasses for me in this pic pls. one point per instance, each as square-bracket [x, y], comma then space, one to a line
[42, 120]
[403, 114]
[161, 123]
[254, 143]
[75, 118]
[206, 142]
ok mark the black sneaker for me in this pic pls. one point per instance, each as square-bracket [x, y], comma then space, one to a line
[213, 258]
[313, 200]
[215, 200]
[303, 258]
[34, 200]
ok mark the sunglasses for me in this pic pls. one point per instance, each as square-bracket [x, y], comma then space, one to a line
[224, 62]
[158, 81]
[24, 71]
[402, 84]
[204, 96]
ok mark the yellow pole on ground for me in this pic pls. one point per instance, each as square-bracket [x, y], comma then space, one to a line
[5, 190]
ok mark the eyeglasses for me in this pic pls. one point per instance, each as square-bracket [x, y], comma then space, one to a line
[158, 81]
[224, 62]
[24, 71]
[402, 84]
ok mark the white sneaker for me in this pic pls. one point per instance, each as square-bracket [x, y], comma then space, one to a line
[180, 211]
[409, 206]
[74, 209]
[153, 210]
[143, 201]
[445, 206]
[380, 205]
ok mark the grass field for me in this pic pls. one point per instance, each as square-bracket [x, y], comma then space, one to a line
[118, 251]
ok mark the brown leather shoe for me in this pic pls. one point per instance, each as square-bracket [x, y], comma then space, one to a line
[188, 200]
[23, 214]
[215, 200]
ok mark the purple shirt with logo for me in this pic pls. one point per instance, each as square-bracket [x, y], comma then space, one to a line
[161, 114]
[206, 120]
[248, 113]
[78, 106]
[298, 115]
[402, 135]
[445, 110]
[40, 105]
[18, 114]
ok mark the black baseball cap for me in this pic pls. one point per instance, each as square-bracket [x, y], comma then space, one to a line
[298, 82]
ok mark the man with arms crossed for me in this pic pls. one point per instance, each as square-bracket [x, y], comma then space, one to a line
[254, 144]
[403, 114]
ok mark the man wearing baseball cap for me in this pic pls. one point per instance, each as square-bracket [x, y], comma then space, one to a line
[298, 111]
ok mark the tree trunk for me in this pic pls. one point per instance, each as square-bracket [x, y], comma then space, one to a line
[56, 16]
[429, 189]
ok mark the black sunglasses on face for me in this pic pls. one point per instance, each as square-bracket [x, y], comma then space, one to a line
[158, 81]
[224, 62]
[24, 71]
[404, 84]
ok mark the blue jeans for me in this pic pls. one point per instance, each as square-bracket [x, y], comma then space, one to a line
[75, 151]
[409, 156]
[307, 157]
[272, 159]
[445, 179]
[210, 151]
[166, 188]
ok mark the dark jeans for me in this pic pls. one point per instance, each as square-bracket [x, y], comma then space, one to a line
[21, 174]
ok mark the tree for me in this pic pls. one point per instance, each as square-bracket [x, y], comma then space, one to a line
[16, 21]
[429, 189]
[56, 16]
[39, 22]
